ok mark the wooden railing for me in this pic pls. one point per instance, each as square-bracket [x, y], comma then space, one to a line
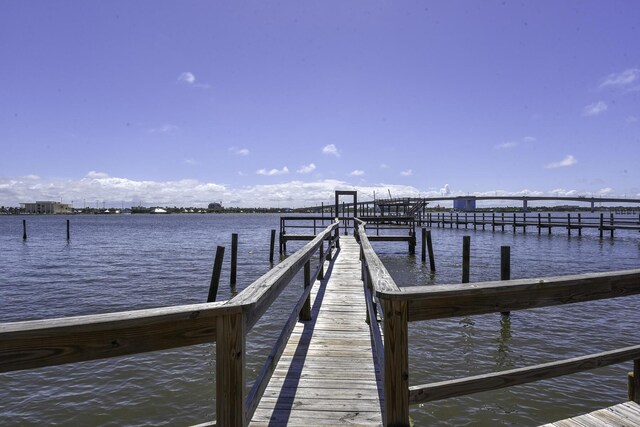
[49, 342]
[419, 303]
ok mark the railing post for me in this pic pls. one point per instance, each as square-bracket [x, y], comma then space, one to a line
[321, 267]
[396, 363]
[305, 312]
[230, 370]
[633, 383]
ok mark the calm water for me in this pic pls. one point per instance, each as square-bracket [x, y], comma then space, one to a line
[126, 262]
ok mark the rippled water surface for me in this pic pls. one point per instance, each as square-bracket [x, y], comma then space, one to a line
[128, 262]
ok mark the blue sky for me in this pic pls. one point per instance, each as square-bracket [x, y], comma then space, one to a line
[280, 103]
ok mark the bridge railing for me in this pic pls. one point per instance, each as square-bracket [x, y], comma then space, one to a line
[399, 306]
[49, 342]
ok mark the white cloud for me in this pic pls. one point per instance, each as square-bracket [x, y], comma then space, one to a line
[445, 191]
[307, 168]
[273, 172]
[631, 119]
[384, 166]
[191, 162]
[595, 109]
[529, 139]
[506, 145]
[239, 151]
[627, 79]
[407, 172]
[567, 161]
[331, 149]
[187, 78]
[605, 191]
[97, 175]
[165, 128]
[357, 172]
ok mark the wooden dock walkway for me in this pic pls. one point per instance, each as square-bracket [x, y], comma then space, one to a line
[327, 374]
[623, 415]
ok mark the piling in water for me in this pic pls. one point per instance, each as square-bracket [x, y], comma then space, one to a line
[271, 246]
[24, 229]
[215, 275]
[234, 260]
[466, 258]
[505, 267]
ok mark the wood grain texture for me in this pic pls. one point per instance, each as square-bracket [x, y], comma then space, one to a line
[326, 374]
[38, 343]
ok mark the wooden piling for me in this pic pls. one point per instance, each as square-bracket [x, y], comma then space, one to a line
[569, 224]
[432, 261]
[539, 223]
[611, 224]
[505, 267]
[466, 258]
[579, 224]
[549, 221]
[272, 244]
[601, 225]
[215, 275]
[234, 260]
[68, 231]
[24, 229]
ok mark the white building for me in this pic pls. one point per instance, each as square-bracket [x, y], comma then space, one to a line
[46, 207]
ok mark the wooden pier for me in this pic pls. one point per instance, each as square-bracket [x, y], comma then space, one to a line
[342, 355]
[538, 222]
[327, 374]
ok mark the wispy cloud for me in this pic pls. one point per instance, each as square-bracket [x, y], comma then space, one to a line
[331, 149]
[567, 161]
[626, 80]
[165, 128]
[506, 145]
[307, 168]
[189, 79]
[595, 109]
[191, 162]
[357, 172]
[384, 166]
[512, 144]
[407, 172]
[631, 119]
[273, 172]
[239, 151]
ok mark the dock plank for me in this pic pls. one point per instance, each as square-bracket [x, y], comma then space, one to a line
[623, 415]
[327, 374]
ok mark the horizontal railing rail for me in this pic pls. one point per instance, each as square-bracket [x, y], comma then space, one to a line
[49, 342]
[417, 303]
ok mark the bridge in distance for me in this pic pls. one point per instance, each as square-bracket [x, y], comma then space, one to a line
[592, 201]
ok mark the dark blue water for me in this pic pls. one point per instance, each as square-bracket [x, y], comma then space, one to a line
[127, 262]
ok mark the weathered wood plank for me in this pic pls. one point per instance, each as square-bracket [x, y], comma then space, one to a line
[326, 374]
[622, 415]
[497, 380]
[434, 302]
[38, 343]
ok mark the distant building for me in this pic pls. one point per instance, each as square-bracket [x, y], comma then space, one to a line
[215, 206]
[464, 204]
[46, 207]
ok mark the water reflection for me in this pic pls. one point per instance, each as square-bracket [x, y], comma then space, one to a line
[503, 357]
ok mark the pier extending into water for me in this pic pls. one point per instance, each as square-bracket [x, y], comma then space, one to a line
[342, 355]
